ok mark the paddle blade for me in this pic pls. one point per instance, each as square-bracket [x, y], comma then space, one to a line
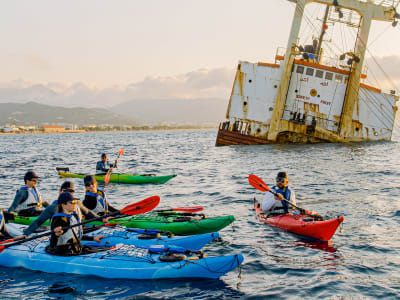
[189, 208]
[1, 248]
[141, 207]
[107, 178]
[257, 183]
[120, 152]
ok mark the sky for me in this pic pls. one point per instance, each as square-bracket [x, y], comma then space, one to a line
[101, 53]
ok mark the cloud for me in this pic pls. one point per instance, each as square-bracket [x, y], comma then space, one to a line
[202, 83]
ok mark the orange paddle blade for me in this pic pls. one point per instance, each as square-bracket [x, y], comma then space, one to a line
[107, 178]
[120, 152]
[141, 207]
[258, 183]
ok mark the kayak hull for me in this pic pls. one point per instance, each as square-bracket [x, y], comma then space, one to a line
[124, 261]
[303, 225]
[176, 226]
[165, 223]
[122, 235]
[123, 178]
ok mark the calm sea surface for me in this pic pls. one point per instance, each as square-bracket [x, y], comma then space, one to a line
[359, 181]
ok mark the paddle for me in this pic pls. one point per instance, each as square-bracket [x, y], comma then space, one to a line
[260, 185]
[140, 207]
[191, 209]
[107, 177]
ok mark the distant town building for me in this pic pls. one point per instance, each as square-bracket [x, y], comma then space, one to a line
[53, 128]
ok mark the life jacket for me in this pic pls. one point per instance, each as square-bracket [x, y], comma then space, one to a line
[102, 166]
[73, 219]
[2, 222]
[101, 202]
[34, 199]
[282, 206]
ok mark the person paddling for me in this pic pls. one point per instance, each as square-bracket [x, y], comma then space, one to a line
[95, 199]
[69, 242]
[103, 166]
[67, 186]
[28, 201]
[276, 204]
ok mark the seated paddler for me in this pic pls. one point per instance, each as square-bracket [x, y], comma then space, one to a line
[4, 234]
[50, 210]
[103, 166]
[276, 204]
[68, 242]
[28, 201]
[96, 199]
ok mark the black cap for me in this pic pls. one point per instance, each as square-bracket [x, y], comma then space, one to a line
[30, 175]
[282, 175]
[88, 179]
[65, 197]
[67, 186]
[103, 155]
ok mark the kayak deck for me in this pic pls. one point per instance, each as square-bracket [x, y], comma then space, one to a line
[304, 225]
[122, 177]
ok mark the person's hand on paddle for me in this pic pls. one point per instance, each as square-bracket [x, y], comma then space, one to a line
[106, 220]
[98, 238]
[58, 231]
[279, 197]
[20, 237]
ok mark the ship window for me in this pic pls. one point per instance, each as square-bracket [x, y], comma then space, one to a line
[310, 71]
[319, 74]
[300, 69]
[338, 78]
[328, 75]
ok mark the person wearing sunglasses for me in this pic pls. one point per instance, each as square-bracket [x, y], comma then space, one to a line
[96, 199]
[67, 186]
[68, 242]
[28, 201]
[276, 204]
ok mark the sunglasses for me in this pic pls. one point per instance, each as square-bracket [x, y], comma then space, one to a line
[68, 190]
[73, 202]
[34, 180]
[89, 184]
[281, 180]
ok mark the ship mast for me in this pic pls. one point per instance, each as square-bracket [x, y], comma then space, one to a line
[321, 36]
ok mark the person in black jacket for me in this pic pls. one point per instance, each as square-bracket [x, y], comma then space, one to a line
[95, 199]
[68, 242]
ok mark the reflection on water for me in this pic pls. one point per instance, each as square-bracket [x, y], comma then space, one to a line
[359, 181]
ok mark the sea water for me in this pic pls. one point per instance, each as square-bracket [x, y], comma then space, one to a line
[359, 181]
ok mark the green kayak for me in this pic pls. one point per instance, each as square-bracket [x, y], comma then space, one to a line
[119, 177]
[175, 223]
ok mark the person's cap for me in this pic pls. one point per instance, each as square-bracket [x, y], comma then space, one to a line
[282, 175]
[68, 186]
[30, 175]
[66, 197]
[88, 179]
[103, 155]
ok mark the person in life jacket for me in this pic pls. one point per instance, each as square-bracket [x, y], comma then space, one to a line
[103, 166]
[277, 204]
[4, 234]
[50, 210]
[68, 242]
[28, 201]
[95, 199]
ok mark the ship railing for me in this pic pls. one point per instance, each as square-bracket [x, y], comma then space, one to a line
[310, 120]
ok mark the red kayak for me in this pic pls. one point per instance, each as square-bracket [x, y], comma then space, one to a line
[305, 225]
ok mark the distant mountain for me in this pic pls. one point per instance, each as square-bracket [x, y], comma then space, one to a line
[39, 114]
[209, 111]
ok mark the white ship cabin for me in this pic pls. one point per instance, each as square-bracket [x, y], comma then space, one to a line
[315, 97]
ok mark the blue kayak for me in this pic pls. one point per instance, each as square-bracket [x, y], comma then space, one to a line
[121, 261]
[137, 237]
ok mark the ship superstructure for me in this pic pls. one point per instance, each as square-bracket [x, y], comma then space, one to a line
[308, 98]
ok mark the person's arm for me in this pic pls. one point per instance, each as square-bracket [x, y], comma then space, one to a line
[46, 204]
[90, 202]
[55, 223]
[87, 212]
[111, 208]
[44, 216]
[20, 197]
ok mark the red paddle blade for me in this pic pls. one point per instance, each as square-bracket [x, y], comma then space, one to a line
[107, 178]
[141, 207]
[1, 248]
[257, 183]
[120, 152]
[189, 208]
[7, 241]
